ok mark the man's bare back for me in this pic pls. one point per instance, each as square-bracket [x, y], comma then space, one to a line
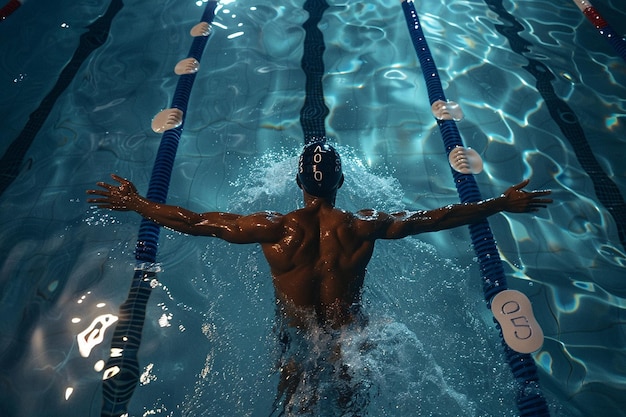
[319, 264]
[317, 254]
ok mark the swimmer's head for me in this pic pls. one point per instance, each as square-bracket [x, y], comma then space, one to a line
[319, 170]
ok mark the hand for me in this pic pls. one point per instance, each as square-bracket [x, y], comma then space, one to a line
[517, 200]
[120, 198]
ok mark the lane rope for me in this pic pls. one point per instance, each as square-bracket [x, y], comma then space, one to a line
[121, 373]
[530, 401]
[9, 8]
[314, 111]
[602, 26]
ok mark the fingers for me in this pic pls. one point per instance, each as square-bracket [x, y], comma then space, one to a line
[522, 184]
[106, 185]
[532, 208]
[535, 192]
[541, 192]
[109, 187]
[98, 192]
[544, 201]
[107, 206]
[106, 193]
[112, 197]
[119, 179]
[101, 202]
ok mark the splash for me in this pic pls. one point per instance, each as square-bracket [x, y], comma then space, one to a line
[270, 180]
[271, 175]
[383, 366]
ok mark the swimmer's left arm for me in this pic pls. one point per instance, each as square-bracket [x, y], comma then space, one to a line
[402, 224]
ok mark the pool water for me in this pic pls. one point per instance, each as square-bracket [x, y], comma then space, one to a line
[209, 345]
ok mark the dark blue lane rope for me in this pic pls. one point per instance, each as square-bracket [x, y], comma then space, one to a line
[96, 35]
[314, 111]
[606, 189]
[122, 369]
[530, 401]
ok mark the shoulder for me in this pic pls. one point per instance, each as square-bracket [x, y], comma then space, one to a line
[372, 215]
[371, 223]
[261, 227]
[263, 219]
[267, 216]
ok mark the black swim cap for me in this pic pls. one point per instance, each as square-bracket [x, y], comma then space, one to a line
[319, 169]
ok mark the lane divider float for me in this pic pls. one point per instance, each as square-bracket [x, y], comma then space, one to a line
[512, 308]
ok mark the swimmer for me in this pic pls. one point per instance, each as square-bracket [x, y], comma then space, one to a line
[317, 254]
[318, 257]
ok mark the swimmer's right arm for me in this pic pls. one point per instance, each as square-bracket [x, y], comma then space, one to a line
[234, 228]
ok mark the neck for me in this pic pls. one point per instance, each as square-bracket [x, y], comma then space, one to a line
[310, 200]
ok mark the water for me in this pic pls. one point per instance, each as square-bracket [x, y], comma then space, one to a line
[209, 344]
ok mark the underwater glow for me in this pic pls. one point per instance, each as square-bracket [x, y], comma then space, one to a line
[545, 361]
[612, 122]
[111, 372]
[93, 335]
[235, 35]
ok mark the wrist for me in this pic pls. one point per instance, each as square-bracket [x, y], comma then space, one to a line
[134, 202]
[501, 203]
[495, 205]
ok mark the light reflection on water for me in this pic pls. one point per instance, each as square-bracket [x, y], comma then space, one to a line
[243, 135]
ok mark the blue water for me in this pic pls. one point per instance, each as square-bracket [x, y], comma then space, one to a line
[209, 346]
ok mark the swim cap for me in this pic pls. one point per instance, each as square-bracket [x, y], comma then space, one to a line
[319, 169]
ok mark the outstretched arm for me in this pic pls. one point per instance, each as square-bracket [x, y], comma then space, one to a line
[399, 225]
[234, 228]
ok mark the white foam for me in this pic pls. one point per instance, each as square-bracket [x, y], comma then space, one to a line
[273, 175]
